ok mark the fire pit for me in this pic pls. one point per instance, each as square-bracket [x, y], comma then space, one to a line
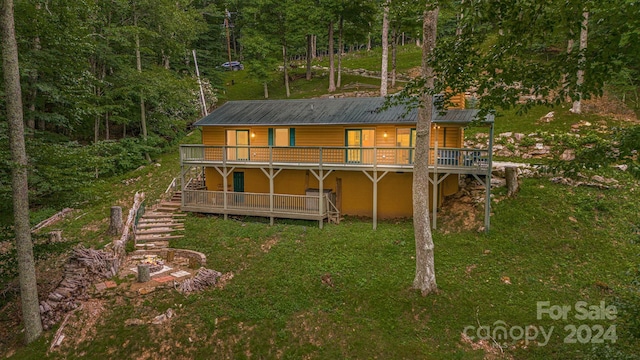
[154, 262]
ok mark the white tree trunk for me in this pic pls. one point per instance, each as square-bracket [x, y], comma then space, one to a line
[340, 46]
[332, 80]
[584, 32]
[425, 278]
[19, 186]
[286, 70]
[143, 113]
[385, 50]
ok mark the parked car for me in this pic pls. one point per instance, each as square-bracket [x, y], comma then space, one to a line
[235, 65]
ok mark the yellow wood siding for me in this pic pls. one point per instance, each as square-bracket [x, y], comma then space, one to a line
[320, 136]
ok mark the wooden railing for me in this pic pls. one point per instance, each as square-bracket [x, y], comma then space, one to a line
[282, 203]
[301, 155]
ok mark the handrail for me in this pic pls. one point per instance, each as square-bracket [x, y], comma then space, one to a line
[331, 155]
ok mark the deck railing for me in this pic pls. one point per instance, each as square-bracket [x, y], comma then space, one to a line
[302, 155]
[282, 203]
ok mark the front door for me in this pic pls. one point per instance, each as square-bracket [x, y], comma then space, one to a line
[238, 187]
[238, 181]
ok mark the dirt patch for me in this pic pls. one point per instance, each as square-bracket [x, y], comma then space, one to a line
[271, 242]
[609, 106]
[81, 326]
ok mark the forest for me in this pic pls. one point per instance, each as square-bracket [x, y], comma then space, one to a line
[107, 85]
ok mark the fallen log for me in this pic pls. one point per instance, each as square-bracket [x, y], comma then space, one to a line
[52, 220]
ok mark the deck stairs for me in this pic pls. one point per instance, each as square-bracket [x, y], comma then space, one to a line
[161, 224]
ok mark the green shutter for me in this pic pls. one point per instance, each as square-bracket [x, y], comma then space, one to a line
[292, 137]
[270, 136]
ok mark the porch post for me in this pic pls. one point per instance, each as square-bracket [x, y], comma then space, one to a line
[375, 199]
[225, 174]
[321, 191]
[487, 200]
[434, 220]
[375, 188]
[271, 187]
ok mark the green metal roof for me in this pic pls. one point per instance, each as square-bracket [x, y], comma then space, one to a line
[343, 111]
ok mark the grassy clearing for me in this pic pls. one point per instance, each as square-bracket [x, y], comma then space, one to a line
[344, 292]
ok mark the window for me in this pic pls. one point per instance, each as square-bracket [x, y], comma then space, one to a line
[355, 140]
[406, 140]
[238, 141]
[282, 137]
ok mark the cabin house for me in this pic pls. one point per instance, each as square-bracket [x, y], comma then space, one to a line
[319, 159]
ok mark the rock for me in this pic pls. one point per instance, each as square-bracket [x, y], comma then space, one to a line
[169, 313]
[159, 319]
[622, 167]
[518, 136]
[547, 118]
[505, 134]
[603, 180]
[568, 155]
[539, 146]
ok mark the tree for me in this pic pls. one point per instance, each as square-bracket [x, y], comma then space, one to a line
[13, 96]
[425, 276]
[584, 31]
[385, 49]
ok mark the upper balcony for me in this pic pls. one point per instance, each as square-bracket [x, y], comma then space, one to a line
[447, 160]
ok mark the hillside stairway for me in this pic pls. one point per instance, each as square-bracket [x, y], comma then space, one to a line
[161, 224]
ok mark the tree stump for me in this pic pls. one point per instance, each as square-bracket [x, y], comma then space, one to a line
[115, 226]
[171, 254]
[511, 176]
[55, 236]
[144, 273]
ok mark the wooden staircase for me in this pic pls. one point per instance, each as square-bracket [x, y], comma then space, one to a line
[161, 224]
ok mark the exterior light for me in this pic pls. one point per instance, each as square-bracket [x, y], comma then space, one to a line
[385, 134]
[253, 134]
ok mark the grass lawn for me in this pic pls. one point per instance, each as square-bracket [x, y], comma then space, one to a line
[344, 291]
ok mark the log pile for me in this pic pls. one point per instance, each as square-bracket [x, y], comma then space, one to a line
[119, 245]
[203, 279]
[83, 268]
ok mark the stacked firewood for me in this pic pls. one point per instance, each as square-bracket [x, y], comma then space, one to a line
[203, 279]
[83, 268]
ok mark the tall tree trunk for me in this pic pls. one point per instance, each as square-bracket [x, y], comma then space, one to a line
[340, 45]
[15, 118]
[385, 50]
[394, 51]
[143, 112]
[106, 126]
[286, 69]
[332, 80]
[309, 56]
[425, 278]
[266, 90]
[314, 47]
[369, 40]
[584, 32]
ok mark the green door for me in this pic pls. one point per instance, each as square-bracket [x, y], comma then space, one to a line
[238, 181]
[238, 187]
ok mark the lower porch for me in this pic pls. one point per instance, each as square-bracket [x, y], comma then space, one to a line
[272, 206]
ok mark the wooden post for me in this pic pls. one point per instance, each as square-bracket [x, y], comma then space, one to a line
[171, 254]
[144, 273]
[115, 225]
[511, 175]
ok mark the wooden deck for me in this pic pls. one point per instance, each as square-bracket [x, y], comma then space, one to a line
[257, 204]
[448, 160]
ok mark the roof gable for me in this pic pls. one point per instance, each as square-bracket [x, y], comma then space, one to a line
[343, 111]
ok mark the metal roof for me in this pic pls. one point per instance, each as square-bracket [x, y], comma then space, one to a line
[342, 111]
